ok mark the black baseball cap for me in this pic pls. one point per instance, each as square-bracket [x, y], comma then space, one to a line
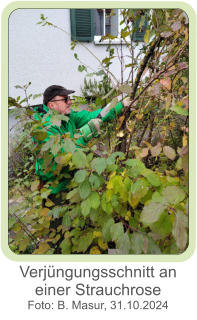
[53, 91]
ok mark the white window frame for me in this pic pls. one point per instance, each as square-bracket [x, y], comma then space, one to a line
[118, 40]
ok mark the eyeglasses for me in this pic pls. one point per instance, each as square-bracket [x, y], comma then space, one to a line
[64, 99]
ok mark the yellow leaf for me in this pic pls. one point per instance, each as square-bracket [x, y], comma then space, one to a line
[148, 144]
[172, 125]
[128, 216]
[184, 140]
[95, 250]
[44, 212]
[66, 235]
[123, 195]
[23, 244]
[43, 248]
[97, 234]
[49, 203]
[109, 194]
[102, 244]
[124, 172]
[139, 116]
[120, 134]
[133, 201]
[120, 121]
[181, 89]
[186, 35]
[146, 36]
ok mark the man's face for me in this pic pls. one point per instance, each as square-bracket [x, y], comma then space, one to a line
[60, 104]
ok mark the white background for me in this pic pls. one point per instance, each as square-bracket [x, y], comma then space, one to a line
[180, 292]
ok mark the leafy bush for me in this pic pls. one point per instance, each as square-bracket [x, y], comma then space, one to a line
[133, 197]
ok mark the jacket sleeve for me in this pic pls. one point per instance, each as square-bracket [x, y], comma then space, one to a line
[113, 113]
[83, 117]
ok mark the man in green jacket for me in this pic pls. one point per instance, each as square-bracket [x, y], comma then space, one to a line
[87, 123]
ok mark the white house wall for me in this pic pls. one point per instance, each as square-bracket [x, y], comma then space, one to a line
[42, 55]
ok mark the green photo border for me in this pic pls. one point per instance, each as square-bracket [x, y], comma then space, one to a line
[192, 142]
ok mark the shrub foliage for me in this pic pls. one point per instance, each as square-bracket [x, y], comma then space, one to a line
[128, 190]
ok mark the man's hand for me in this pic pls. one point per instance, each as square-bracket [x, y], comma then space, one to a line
[95, 125]
[126, 102]
[91, 129]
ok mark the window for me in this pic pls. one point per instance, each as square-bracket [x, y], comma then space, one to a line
[106, 22]
[91, 24]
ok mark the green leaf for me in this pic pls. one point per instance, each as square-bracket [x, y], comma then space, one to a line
[85, 189]
[106, 229]
[63, 159]
[85, 241]
[106, 206]
[39, 135]
[138, 191]
[116, 231]
[157, 197]
[136, 186]
[180, 110]
[152, 247]
[151, 177]
[95, 181]
[12, 221]
[124, 244]
[23, 244]
[85, 207]
[136, 164]
[66, 222]
[73, 195]
[50, 143]
[18, 87]
[79, 159]
[152, 212]
[42, 249]
[137, 240]
[163, 226]
[80, 176]
[69, 146]
[173, 195]
[55, 148]
[180, 230]
[94, 200]
[112, 158]
[66, 246]
[99, 165]
[45, 193]
[56, 211]
[81, 68]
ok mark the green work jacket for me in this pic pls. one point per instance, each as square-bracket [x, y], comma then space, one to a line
[76, 121]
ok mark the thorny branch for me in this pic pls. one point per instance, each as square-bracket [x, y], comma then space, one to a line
[156, 76]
